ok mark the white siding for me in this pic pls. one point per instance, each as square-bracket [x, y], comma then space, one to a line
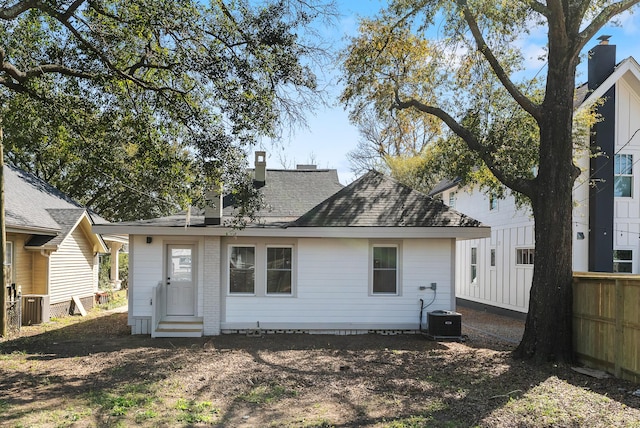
[148, 270]
[627, 210]
[332, 288]
[72, 268]
[211, 285]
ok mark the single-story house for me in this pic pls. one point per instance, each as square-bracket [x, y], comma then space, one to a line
[320, 258]
[51, 252]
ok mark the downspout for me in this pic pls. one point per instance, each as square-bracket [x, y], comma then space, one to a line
[44, 253]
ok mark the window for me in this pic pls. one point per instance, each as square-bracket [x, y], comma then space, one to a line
[452, 199]
[525, 256]
[474, 265]
[385, 270]
[493, 202]
[279, 270]
[493, 257]
[623, 172]
[622, 261]
[242, 270]
[8, 263]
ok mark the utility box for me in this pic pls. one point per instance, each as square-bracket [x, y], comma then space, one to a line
[444, 324]
[35, 309]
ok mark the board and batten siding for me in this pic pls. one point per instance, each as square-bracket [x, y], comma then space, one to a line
[332, 290]
[507, 284]
[627, 210]
[72, 268]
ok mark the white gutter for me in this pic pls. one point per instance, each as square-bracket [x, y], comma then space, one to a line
[461, 232]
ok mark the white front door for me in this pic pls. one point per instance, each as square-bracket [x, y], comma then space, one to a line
[180, 280]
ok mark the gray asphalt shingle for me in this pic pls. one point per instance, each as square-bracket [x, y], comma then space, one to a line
[375, 200]
[290, 193]
[31, 203]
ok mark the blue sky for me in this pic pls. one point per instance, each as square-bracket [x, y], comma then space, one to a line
[330, 136]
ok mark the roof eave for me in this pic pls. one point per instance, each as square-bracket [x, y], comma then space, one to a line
[628, 64]
[32, 230]
[457, 232]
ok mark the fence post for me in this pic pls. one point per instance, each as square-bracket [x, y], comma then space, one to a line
[619, 329]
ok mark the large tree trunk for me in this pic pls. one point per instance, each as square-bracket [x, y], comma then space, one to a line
[548, 329]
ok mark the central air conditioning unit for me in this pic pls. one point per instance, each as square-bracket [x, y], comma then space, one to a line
[35, 309]
[444, 325]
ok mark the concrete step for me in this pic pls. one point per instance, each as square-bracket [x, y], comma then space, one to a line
[177, 328]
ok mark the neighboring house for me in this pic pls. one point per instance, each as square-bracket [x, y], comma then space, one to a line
[51, 251]
[606, 219]
[320, 258]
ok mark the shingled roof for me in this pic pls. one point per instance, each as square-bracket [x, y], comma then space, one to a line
[375, 200]
[36, 207]
[290, 193]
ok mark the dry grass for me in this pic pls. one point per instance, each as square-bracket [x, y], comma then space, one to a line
[91, 372]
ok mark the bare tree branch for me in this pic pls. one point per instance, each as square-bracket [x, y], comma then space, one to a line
[603, 17]
[12, 12]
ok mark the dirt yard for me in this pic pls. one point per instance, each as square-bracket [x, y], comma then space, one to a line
[91, 372]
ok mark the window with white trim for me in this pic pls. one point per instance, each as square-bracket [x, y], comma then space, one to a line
[474, 265]
[452, 199]
[242, 262]
[623, 261]
[525, 256]
[385, 269]
[8, 263]
[623, 176]
[493, 257]
[279, 269]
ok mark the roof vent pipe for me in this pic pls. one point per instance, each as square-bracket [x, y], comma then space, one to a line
[260, 173]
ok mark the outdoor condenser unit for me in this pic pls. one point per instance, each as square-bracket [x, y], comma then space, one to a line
[444, 324]
[35, 309]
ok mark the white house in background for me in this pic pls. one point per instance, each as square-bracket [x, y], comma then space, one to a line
[321, 258]
[498, 271]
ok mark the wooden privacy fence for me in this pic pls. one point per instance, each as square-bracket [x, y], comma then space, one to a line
[606, 322]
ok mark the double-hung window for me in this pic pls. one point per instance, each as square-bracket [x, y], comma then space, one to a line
[452, 199]
[623, 176]
[623, 261]
[474, 265]
[525, 256]
[385, 269]
[242, 261]
[8, 263]
[279, 268]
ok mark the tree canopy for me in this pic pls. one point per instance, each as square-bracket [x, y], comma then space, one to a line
[459, 62]
[132, 106]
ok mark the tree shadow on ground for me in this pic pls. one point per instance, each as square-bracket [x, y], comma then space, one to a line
[367, 379]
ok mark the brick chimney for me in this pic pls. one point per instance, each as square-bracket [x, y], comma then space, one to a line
[260, 172]
[213, 207]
